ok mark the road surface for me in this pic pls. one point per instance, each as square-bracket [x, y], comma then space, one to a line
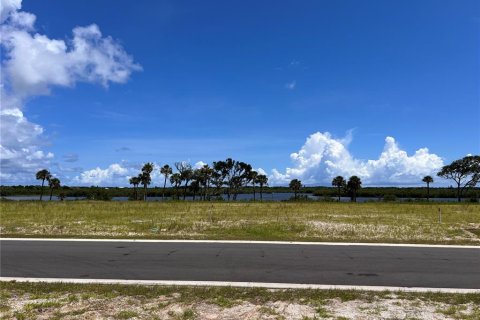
[239, 262]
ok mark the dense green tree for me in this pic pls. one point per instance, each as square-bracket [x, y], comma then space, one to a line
[146, 178]
[204, 176]
[262, 181]
[241, 177]
[53, 183]
[217, 182]
[135, 181]
[340, 183]
[353, 185]
[43, 175]
[166, 171]
[295, 185]
[219, 174]
[465, 172]
[428, 180]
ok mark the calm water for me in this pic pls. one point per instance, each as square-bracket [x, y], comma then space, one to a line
[240, 197]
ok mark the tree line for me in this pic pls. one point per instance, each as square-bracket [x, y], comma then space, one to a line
[322, 192]
[232, 177]
[208, 182]
[343, 186]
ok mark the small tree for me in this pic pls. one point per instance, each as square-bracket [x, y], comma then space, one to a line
[262, 181]
[135, 181]
[353, 185]
[295, 185]
[43, 175]
[340, 183]
[146, 178]
[166, 170]
[428, 180]
[465, 172]
[186, 174]
[53, 183]
[204, 177]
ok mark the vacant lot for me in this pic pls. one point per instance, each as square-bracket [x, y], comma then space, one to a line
[73, 301]
[365, 222]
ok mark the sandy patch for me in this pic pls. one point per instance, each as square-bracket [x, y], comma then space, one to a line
[84, 306]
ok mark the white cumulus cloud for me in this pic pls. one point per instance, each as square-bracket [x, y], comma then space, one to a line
[20, 142]
[199, 164]
[323, 157]
[111, 175]
[7, 7]
[32, 64]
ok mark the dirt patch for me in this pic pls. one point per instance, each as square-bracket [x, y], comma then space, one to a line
[85, 306]
[476, 232]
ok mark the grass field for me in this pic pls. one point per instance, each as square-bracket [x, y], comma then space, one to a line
[309, 221]
[75, 301]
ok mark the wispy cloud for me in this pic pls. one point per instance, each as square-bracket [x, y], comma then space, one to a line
[291, 85]
[70, 157]
[294, 63]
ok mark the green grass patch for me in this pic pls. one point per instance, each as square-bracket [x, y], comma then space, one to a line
[302, 221]
[126, 314]
[185, 294]
[42, 305]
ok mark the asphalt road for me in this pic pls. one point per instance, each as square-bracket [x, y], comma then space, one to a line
[277, 263]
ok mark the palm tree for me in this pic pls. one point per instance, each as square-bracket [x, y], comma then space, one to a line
[295, 185]
[146, 178]
[340, 183]
[428, 180]
[262, 180]
[135, 181]
[166, 170]
[43, 175]
[354, 183]
[53, 183]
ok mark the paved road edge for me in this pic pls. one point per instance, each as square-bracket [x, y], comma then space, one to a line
[373, 244]
[238, 284]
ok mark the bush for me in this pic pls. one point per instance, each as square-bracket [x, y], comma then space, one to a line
[99, 194]
[327, 199]
[300, 197]
[389, 198]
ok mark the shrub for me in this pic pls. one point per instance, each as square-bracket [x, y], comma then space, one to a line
[389, 198]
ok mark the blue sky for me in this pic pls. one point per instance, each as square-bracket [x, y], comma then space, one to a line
[254, 79]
